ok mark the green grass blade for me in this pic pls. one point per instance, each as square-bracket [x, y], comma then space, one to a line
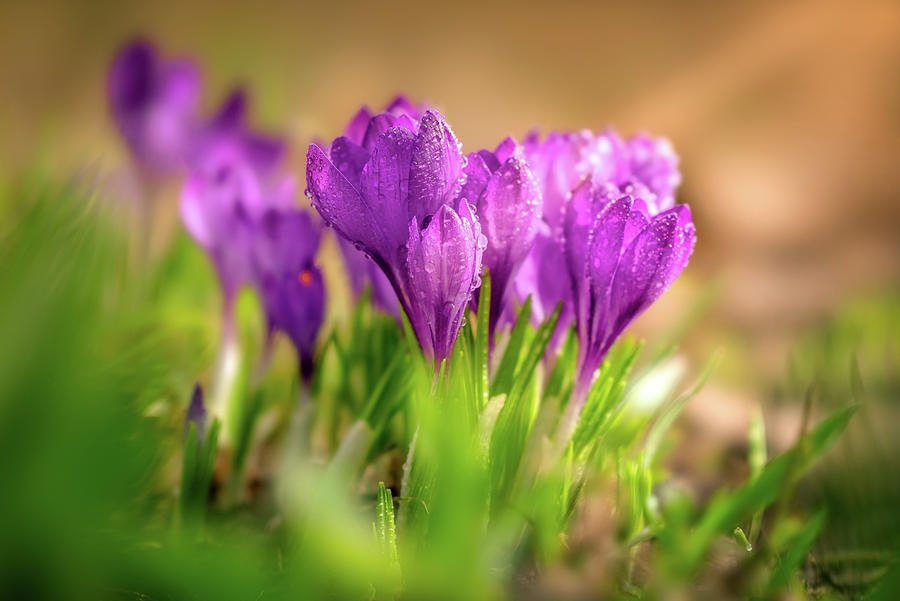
[503, 379]
[482, 383]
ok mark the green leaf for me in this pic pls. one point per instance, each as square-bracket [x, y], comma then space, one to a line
[503, 379]
[742, 539]
[726, 511]
[247, 424]
[482, 383]
[563, 368]
[189, 468]
[516, 418]
[525, 373]
[605, 397]
[377, 395]
[756, 458]
[385, 528]
[208, 458]
[669, 413]
[796, 553]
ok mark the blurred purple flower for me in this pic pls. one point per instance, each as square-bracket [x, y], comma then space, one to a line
[222, 202]
[620, 258]
[196, 414]
[154, 102]
[228, 128]
[508, 199]
[642, 166]
[562, 160]
[362, 271]
[393, 191]
[291, 285]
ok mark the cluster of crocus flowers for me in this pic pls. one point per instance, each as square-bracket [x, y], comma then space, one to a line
[584, 219]
[612, 239]
[545, 217]
[235, 202]
[392, 188]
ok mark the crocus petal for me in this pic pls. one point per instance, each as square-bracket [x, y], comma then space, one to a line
[219, 207]
[339, 203]
[654, 163]
[286, 241]
[356, 129]
[477, 175]
[385, 185]
[194, 213]
[362, 271]
[442, 266]
[379, 124]
[581, 212]
[301, 303]
[647, 268]
[506, 149]
[228, 128]
[231, 114]
[131, 77]
[604, 250]
[489, 159]
[349, 158]
[508, 212]
[154, 103]
[436, 165]
[284, 249]
[407, 122]
[402, 106]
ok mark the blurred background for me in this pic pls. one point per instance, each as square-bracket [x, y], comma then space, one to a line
[786, 116]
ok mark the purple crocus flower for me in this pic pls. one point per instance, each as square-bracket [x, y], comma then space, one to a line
[363, 131]
[396, 196]
[642, 165]
[508, 202]
[229, 127]
[154, 102]
[291, 285]
[443, 269]
[620, 258]
[222, 203]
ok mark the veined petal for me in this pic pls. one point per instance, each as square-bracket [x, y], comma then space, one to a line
[653, 162]
[385, 183]
[378, 124]
[349, 158]
[604, 252]
[339, 203]
[505, 149]
[650, 264]
[436, 166]
[442, 264]
[477, 174]
[508, 212]
[356, 129]
[401, 106]
[580, 215]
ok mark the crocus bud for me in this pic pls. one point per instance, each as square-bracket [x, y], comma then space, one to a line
[411, 174]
